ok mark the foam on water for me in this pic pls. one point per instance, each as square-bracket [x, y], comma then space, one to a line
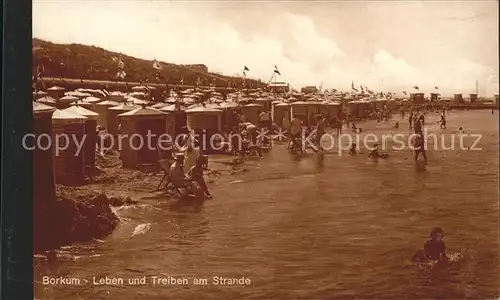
[141, 229]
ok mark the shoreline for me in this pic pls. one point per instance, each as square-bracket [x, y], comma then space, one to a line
[83, 213]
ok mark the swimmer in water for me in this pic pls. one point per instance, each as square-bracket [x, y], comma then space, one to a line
[375, 154]
[396, 125]
[434, 248]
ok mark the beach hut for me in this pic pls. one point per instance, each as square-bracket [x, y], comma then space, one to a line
[177, 119]
[66, 101]
[497, 99]
[102, 108]
[473, 98]
[89, 143]
[78, 94]
[39, 94]
[69, 161]
[136, 126]
[44, 190]
[251, 112]
[333, 110]
[159, 105]
[117, 96]
[265, 102]
[88, 102]
[417, 98]
[314, 108]
[380, 103]
[112, 117]
[280, 111]
[56, 92]
[299, 109]
[205, 122]
[356, 108]
[434, 97]
[229, 116]
[47, 100]
[457, 98]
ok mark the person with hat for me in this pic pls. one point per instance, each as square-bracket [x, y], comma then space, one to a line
[177, 174]
[419, 147]
[196, 173]
[191, 153]
[434, 248]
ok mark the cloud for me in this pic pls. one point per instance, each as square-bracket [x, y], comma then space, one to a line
[332, 43]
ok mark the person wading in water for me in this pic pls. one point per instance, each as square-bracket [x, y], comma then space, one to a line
[420, 147]
[196, 174]
[443, 121]
[434, 248]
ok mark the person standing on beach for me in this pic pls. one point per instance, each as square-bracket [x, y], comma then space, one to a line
[443, 121]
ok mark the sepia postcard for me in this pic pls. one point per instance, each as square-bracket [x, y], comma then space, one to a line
[263, 149]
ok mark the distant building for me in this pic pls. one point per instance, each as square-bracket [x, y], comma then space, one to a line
[457, 98]
[198, 67]
[417, 98]
[309, 89]
[497, 99]
[434, 97]
[279, 87]
[473, 98]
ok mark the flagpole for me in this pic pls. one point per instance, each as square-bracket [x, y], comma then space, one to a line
[477, 83]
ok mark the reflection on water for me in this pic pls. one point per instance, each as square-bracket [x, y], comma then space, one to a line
[340, 227]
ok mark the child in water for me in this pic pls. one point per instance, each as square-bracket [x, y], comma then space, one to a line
[375, 154]
[434, 248]
[353, 150]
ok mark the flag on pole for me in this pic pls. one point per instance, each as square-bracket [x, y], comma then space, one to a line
[276, 70]
[436, 88]
[156, 64]
[353, 87]
[404, 93]
[246, 69]
[416, 87]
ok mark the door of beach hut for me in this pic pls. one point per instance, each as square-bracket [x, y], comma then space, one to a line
[251, 112]
[44, 190]
[69, 161]
[102, 109]
[153, 128]
[313, 110]
[89, 144]
[136, 148]
[112, 116]
[299, 109]
[205, 122]
[280, 111]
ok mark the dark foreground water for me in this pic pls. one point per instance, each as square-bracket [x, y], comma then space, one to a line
[301, 229]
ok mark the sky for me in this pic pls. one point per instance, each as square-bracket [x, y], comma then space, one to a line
[385, 45]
